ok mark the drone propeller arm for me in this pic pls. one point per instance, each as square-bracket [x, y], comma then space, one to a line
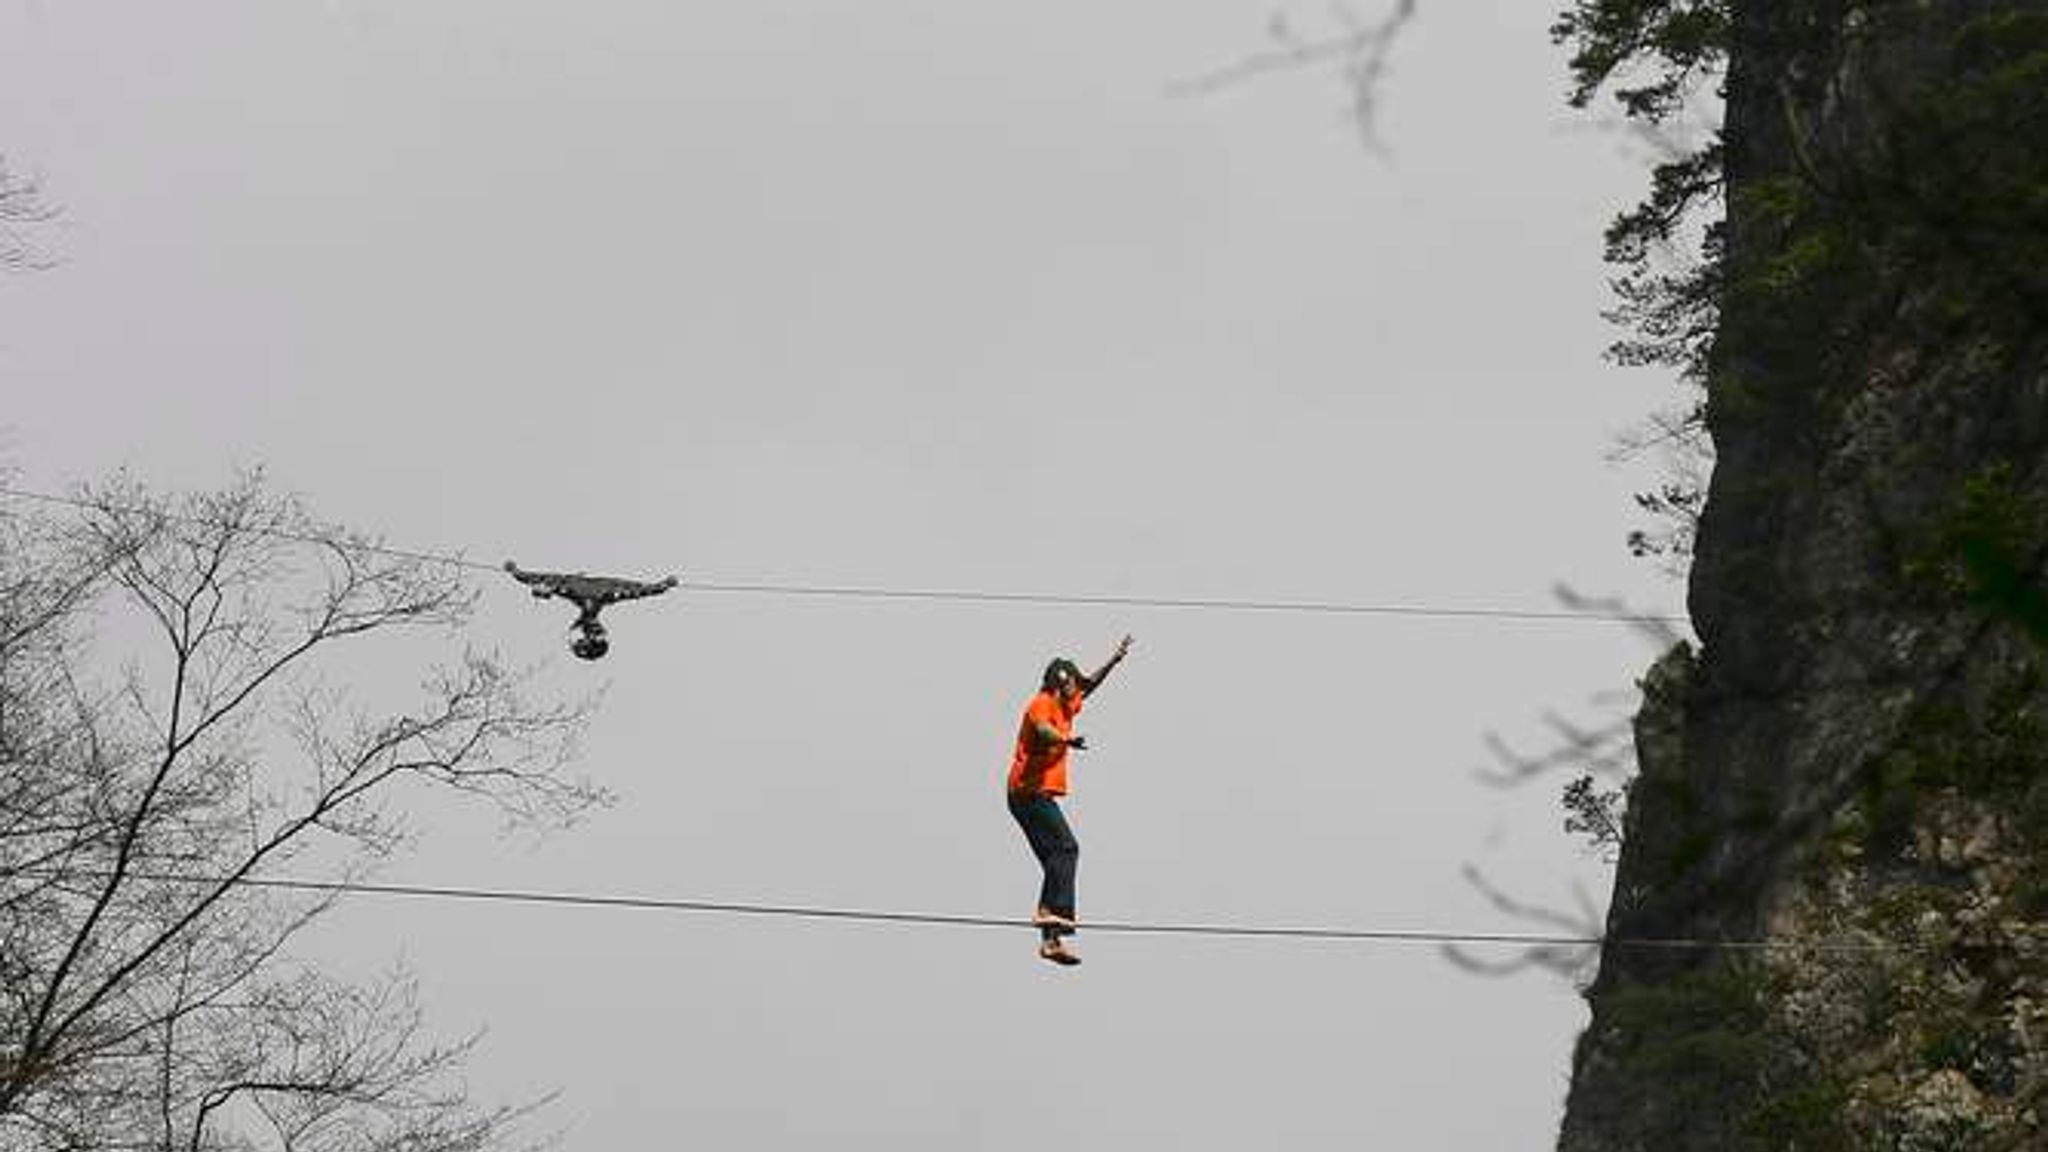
[635, 589]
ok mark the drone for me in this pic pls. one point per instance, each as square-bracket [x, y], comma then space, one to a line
[590, 594]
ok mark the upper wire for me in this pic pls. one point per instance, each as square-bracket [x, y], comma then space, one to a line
[967, 595]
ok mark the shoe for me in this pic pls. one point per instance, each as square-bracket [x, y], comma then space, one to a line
[1057, 952]
[1060, 925]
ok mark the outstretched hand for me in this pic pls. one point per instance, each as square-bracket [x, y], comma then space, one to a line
[1091, 683]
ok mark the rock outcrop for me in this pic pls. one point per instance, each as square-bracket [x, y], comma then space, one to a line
[1853, 766]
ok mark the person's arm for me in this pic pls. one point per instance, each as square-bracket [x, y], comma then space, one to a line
[1044, 732]
[1049, 736]
[1090, 684]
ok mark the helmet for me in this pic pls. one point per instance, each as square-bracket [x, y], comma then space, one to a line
[1060, 672]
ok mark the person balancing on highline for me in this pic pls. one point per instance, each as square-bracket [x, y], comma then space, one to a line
[1038, 778]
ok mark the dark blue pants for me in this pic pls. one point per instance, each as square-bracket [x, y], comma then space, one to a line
[1045, 826]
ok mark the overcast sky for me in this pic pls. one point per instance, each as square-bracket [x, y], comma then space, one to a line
[913, 295]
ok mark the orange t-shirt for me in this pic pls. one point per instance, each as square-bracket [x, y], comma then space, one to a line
[1035, 766]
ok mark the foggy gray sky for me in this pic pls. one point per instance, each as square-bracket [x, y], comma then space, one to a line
[902, 294]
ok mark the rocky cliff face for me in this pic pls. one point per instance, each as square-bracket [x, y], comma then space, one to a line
[1854, 764]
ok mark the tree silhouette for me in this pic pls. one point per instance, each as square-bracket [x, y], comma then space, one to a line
[21, 207]
[150, 998]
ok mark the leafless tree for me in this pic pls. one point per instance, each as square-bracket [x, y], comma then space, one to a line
[1361, 48]
[149, 993]
[21, 206]
[1598, 756]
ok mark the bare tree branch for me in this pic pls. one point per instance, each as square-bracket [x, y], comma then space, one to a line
[22, 207]
[147, 1000]
[1361, 48]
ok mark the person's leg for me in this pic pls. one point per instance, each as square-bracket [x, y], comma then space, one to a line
[1062, 861]
[1056, 896]
[1052, 842]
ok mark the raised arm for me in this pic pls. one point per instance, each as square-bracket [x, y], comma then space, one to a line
[1094, 681]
